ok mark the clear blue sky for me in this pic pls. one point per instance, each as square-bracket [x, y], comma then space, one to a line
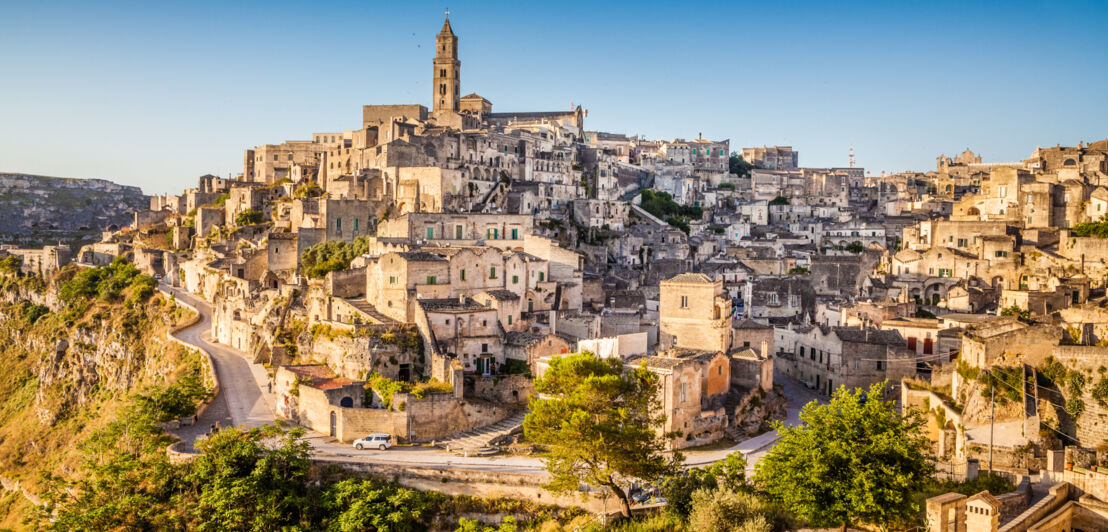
[155, 94]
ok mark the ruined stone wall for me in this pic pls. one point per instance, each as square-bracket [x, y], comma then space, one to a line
[1091, 426]
[511, 389]
[346, 283]
[437, 416]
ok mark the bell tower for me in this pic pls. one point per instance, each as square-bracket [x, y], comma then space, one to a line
[446, 87]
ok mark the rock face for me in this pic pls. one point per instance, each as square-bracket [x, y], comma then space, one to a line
[49, 209]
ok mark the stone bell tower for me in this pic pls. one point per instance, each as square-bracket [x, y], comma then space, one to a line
[446, 87]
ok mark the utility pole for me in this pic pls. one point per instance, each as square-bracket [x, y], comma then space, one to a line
[992, 414]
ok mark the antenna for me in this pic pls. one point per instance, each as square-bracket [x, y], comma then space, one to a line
[851, 158]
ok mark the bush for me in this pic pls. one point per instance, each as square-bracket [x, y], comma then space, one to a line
[179, 399]
[1075, 407]
[727, 510]
[248, 217]
[1098, 229]
[108, 283]
[331, 256]
[10, 265]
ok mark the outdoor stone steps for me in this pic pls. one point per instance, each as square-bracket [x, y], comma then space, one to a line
[479, 441]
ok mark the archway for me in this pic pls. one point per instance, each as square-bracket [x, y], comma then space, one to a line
[345, 402]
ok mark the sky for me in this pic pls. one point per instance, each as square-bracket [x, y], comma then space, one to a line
[155, 94]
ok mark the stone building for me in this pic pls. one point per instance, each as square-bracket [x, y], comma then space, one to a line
[694, 313]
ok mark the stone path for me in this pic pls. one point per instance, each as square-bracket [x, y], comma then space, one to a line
[478, 441]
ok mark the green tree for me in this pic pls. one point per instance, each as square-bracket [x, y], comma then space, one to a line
[357, 504]
[678, 488]
[738, 166]
[325, 257]
[255, 479]
[855, 460]
[779, 200]
[248, 216]
[600, 424]
[125, 483]
[1014, 310]
[855, 247]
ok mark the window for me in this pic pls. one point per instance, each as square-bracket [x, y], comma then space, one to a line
[515, 234]
[515, 279]
[430, 232]
[962, 242]
[355, 224]
[457, 232]
[484, 348]
[463, 272]
[880, 365]
[430, 279]
[509, 320]
[684, 301]
[338, 224]
[541, 276]
[392, 279]
[492, 272]
[719, 370]
[801, 348]
[682, 392]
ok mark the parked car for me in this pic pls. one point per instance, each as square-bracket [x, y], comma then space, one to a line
[381, 441]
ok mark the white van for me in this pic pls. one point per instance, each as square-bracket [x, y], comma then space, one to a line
[380, 441]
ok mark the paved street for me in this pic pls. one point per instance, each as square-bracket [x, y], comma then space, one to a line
[244, 402]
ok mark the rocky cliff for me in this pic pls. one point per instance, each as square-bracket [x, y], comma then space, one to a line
[49, 209]
[69, 367]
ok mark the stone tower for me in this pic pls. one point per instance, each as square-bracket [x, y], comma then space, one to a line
[446, 86]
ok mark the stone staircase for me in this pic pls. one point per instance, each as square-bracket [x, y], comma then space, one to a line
[371, 311]
[482, 441]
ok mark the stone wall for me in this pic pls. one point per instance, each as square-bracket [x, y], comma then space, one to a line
[511, 389]
[346, 283]
[1091, 427]
[440, 415]
[477, 483]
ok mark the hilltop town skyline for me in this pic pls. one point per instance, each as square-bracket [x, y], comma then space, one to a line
[899, 107]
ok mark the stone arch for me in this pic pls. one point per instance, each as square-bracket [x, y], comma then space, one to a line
[1070, 162]
[346, 402]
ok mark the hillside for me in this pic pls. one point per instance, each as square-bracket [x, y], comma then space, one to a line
[76, 348]
[50, 209]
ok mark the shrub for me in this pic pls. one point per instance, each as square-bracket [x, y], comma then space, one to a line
[179, 399]
[248, 217]
[728, 510]
[1075, 406]
[1100, 392]
[331, 256]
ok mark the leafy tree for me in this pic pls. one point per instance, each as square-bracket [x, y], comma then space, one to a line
[248, 217]
[1098, 229]
[727, 510]
[855, 247]
[678, 489]
[798, 270]
[600, 424]
[357, 504]
[855, 460]
[177, 400]
[126, 482]
[738, 166]
[253, 479]
[779, 200]
[1014, 310]
[331, 256]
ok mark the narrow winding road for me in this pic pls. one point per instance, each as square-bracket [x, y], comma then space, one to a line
[244, 401]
